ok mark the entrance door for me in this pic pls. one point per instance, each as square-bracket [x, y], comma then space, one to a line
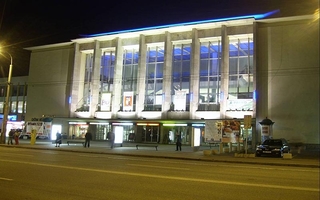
[150, 134]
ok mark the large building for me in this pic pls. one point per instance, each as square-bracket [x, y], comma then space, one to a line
[197, 79]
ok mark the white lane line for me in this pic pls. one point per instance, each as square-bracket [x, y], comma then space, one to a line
[6, 179]
[154, 166]
[170, 177]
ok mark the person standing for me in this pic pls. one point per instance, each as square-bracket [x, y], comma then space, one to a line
[16, 137]
[178, 142]
[11, 135]
[111, 138]
[58, 139]
[88, 138]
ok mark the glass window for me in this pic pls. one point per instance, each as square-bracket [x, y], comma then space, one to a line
[210, 75]
[107, 71]
[154, 78]
[20, 106]
[130, 72]
[240, 71]
[13, 107]
[181, 71]
[84, 103]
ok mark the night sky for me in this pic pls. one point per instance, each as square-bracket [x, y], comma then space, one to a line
[27, 23]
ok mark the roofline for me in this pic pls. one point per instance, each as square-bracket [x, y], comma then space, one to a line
[254, 16]
[49, 46]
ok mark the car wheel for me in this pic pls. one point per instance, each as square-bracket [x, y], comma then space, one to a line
[258, 155]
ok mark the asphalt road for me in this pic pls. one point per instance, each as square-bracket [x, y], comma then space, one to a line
[45, 174]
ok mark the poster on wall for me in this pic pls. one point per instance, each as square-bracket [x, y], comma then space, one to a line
[105, 102]
[127, 101]
[213, 131]
[180, 100]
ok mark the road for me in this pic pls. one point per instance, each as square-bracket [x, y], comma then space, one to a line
[46, 174]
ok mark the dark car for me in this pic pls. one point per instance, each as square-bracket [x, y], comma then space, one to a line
[273, 147]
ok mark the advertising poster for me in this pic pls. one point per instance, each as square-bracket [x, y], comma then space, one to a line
[230, 131]
[213, 131]
[127, 101]
[180, 100]
[105, 102]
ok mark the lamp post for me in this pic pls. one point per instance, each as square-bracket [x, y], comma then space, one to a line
[5, 108]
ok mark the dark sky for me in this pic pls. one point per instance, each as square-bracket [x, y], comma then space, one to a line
[26, 23]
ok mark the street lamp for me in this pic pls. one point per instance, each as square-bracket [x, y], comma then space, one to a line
[5, 108]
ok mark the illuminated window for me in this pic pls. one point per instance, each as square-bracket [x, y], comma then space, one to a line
[210, 75]
[181, 71]
[154, 78]
[130, 71]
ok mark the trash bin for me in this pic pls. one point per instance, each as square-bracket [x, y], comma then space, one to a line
[33, 137]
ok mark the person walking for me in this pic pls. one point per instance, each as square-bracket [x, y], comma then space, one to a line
[11, 135]
[58, 139]
[88, 138]
[178, 142]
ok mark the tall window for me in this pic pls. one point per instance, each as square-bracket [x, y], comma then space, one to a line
[107, 71]
[130, 71]
[241, 73]
[181, 75]
[210, 76]
[83, 104]
[154, 78]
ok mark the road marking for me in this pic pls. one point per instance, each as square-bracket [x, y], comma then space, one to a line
[6, 179]
[171, 177]
[154, 166]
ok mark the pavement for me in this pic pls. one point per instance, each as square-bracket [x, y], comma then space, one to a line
[302, 158]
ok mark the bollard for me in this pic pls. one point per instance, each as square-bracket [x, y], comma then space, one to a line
[33, 137]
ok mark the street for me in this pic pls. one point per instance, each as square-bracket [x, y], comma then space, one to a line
[47, 174]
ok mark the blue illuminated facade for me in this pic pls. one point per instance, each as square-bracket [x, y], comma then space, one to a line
[156, 82]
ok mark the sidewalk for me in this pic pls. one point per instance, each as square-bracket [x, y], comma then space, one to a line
[306, 158]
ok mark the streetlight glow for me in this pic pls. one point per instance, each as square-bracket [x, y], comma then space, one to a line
[5, 108]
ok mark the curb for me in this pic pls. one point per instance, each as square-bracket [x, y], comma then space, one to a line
[207, 158]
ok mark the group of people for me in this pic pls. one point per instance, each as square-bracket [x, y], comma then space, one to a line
[88, 138]
[13, 135]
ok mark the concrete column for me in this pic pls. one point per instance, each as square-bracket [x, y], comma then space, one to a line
[95, 81]
[194, 73]
[167, 76]
[224, 71]
[255, 134]
[77, 80]
[142, 68]
[117, 82]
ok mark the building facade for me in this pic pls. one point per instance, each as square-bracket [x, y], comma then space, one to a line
[151, 84]
[17, 102]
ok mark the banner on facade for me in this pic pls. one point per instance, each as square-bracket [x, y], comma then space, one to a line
[127, 101]
[105, 104]
[180, 100]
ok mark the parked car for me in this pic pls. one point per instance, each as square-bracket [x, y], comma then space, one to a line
[273, 147]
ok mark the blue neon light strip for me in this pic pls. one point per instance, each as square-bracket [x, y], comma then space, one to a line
[255, 16]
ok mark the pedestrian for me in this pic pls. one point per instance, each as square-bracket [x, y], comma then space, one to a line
[58, 139]
[16, 137]
[11, 135]
[111, 138]
[178, 142]
[88, 138]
